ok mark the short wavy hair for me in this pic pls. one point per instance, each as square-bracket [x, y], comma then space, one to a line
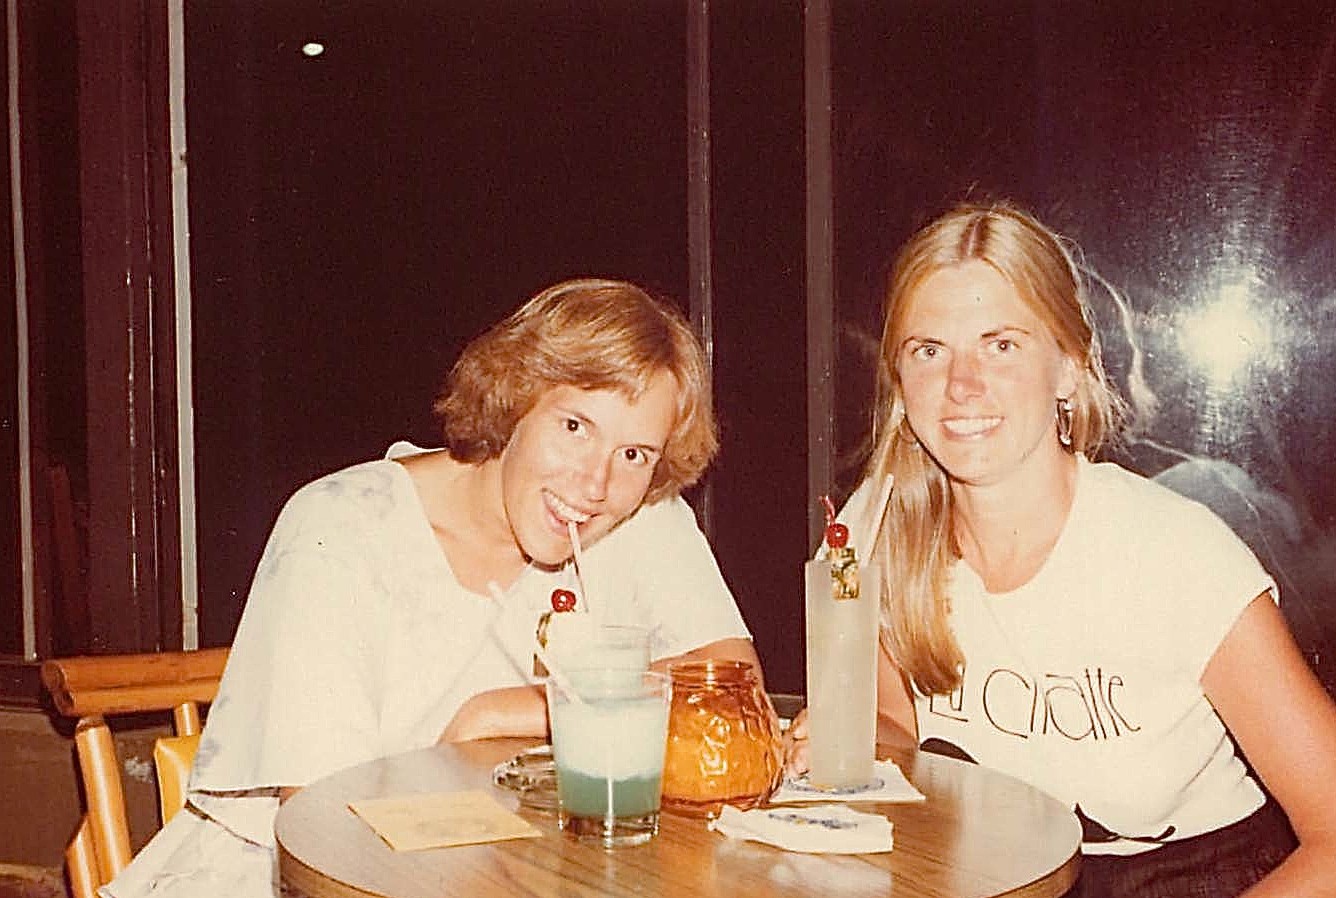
[590, 333]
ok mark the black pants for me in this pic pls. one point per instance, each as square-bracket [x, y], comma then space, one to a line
[1219, 864]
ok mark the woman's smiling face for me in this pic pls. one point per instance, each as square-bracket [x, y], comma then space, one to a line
[582, 456]
[980, 374]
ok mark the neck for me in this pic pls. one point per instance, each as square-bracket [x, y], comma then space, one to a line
[464, 506]
[1006, 531]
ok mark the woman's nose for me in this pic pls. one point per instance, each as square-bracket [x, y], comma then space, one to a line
[595, 473]
[964, 378]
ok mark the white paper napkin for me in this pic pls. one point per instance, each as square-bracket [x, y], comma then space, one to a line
[888, 784]
[815, 829]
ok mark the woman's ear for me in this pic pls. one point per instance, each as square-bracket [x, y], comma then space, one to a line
[1067, 380]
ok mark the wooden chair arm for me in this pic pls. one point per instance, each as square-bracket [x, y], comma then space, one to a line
[101, 776]
[112, 684]
[93, 686]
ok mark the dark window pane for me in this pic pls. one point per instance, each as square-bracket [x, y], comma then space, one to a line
[359, 211]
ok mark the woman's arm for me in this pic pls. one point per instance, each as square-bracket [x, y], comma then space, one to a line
[732, 649]
[522, 710]
[1285, 722]
[514, 711]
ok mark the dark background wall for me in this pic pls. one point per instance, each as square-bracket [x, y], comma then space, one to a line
[358, 215]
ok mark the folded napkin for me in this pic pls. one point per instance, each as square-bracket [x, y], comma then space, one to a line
[888, 784]
[816, 829]
[439, 820]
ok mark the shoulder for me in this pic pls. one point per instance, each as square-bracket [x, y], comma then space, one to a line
[862, 513]
[1180, 543]
[654, 520]
[358, 497]
[1122, 496]
[866, 501]
[670, 511]
[661, 540]
[352, 523]
[661, 561]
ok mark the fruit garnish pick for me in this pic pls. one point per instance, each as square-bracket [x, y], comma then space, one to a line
[837, 534]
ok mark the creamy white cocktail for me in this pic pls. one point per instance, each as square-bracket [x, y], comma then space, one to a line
[609, 748]
[578, 641]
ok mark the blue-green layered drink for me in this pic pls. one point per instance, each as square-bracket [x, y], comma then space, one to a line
[609, 750]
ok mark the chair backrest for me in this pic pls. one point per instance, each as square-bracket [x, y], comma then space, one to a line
[92, 687]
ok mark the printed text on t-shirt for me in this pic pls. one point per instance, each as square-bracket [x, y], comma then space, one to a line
[1075, 706]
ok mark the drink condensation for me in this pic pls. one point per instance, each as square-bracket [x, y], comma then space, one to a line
[841, 678]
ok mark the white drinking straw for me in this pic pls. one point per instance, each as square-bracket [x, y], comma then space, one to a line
[579, 563]
[864, 546]
[563, 682]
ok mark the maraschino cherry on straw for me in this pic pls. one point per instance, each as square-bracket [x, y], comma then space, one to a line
[563, 600]
[837, 534]
[563, 682]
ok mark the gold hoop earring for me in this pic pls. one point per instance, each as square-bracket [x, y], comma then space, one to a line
[1065, 422]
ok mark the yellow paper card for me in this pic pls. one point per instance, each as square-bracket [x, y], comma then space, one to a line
[439, 820]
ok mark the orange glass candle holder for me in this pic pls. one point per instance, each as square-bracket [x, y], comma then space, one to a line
[724, 744]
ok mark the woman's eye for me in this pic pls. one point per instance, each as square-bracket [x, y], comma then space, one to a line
[573, 425]
[635, 456]
[1003, 346]
[925, 351]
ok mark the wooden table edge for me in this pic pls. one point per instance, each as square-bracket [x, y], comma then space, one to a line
[1062, 878]
[306, 881]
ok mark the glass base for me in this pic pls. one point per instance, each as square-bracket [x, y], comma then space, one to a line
[709, 808]
[611, 832]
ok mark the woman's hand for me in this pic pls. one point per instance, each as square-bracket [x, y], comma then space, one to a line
[891, 736]
[795, 746]
[896, 727]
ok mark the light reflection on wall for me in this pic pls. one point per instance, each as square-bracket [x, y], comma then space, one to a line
[1226, 336]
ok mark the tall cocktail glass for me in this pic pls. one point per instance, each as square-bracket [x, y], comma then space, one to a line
[841, 677]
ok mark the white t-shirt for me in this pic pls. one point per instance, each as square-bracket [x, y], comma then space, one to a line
[1085, 681]
[357, 642]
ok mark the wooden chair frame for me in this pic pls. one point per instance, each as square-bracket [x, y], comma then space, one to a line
[92, 687]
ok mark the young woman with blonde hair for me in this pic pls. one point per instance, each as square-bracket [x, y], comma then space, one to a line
[1067, 621]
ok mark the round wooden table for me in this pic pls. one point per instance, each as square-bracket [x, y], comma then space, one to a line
[979, 833]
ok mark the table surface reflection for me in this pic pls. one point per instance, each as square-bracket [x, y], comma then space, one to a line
[978, 834]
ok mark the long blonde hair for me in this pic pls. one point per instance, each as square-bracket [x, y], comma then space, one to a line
[916, 547]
